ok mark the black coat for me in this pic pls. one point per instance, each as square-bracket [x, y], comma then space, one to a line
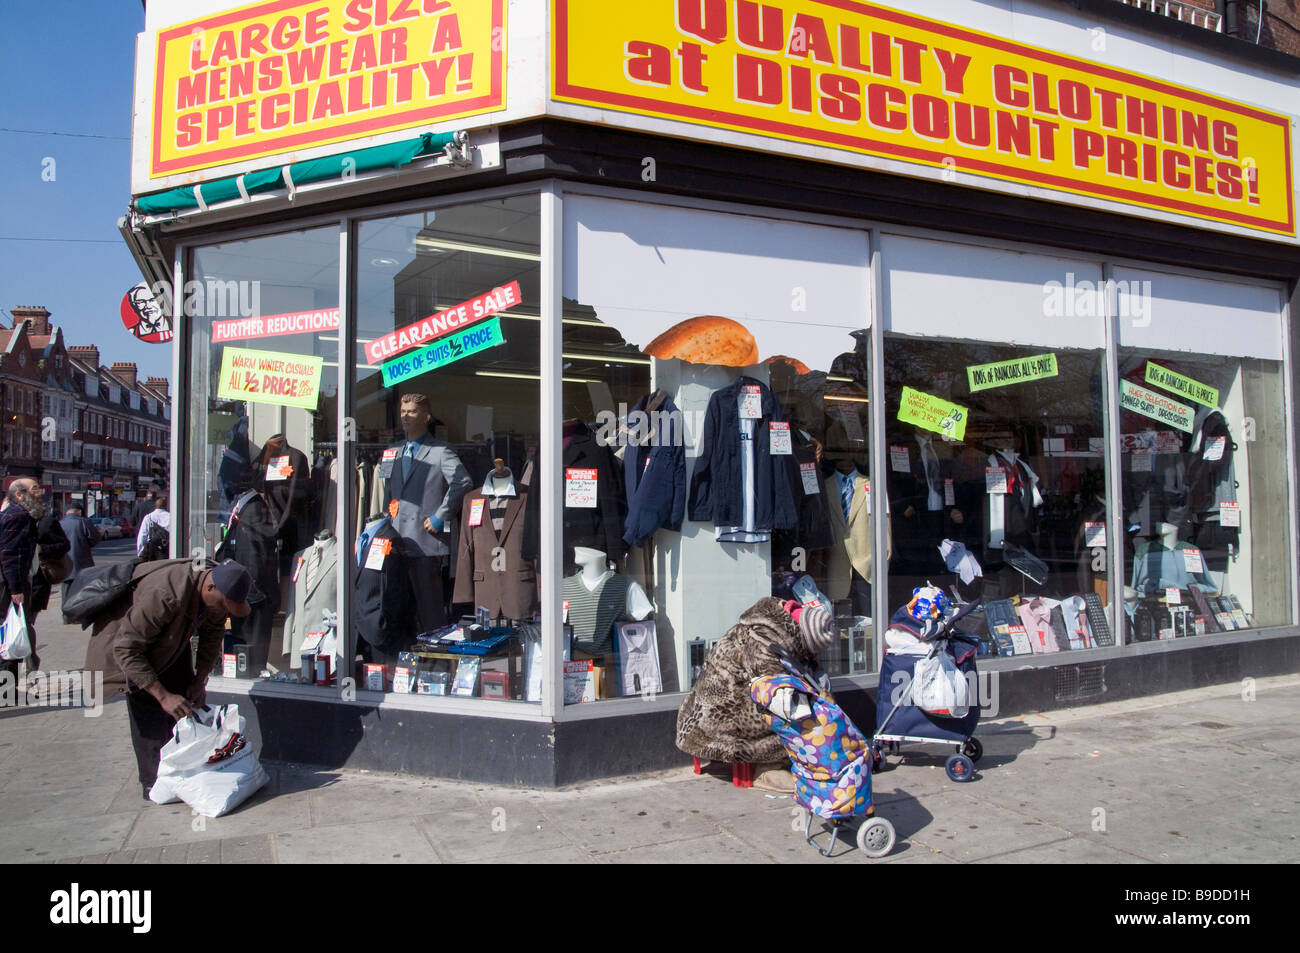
[654, 472]
[51, 546]
[600, 527]
[717, 485]
[384, 608]
[82, 535]
[17, 550]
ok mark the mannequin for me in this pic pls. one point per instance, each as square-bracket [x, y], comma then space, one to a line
[313, 590]
[1161, 564]
[598, 597]
[849, 569]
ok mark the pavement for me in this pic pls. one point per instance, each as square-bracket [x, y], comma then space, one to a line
[1210, 775]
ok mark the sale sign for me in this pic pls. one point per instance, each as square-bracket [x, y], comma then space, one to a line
[933, 413]
[453, 348]
[286, 75]
[273, 325]
[890, 84]
[436, 325]
[264, 377]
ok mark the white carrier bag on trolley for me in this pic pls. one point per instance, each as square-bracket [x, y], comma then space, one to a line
[209, 763]
[939, 687]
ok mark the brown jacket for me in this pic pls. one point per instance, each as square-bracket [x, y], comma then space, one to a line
[146, 633]
[490, 570]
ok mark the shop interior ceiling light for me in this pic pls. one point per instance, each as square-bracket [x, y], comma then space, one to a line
[438, 244]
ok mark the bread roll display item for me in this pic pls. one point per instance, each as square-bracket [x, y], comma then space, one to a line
[708, 339]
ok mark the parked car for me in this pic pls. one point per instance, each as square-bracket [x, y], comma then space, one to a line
[108, 527]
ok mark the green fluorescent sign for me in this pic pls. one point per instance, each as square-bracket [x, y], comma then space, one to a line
[1173, 381]
[1153, 404]
[933, 413]
[1017, 371]
[447, 350]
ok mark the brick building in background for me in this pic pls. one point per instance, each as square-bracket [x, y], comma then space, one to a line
[75, 424]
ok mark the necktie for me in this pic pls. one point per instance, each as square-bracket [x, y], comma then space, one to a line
[846, 493]
[407, 456]
[313, 565]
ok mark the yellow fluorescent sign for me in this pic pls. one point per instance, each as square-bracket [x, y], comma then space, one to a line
[289, 75]
[871, 80]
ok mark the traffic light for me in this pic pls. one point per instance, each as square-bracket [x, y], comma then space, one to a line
[161, 467]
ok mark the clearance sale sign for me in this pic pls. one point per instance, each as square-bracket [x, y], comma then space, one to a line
[286, 75]
[875, 81]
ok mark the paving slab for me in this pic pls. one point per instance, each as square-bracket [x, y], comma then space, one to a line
[64, 837]
[711, 848]
[377, 842]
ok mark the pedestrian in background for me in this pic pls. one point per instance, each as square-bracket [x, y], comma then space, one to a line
[83, 536]
[23, 506]
[154, 535]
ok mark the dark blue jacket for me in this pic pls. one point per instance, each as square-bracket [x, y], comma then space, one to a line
[17, 548]
[654, 471]
[82, 535]
[717, 486]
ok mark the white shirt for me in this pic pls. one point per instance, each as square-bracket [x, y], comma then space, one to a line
[162, 517]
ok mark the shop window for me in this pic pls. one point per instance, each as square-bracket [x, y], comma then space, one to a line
[263, 432]
[1203, 456]
[996, 452]
[715, 386]
[446, 408]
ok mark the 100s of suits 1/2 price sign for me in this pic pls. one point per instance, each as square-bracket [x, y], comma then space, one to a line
[452, 348]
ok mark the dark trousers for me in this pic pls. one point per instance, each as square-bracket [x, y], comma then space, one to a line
[151, 727]
[426, 584]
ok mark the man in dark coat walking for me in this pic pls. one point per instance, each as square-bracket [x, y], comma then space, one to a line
[23, 505]
[82, 535]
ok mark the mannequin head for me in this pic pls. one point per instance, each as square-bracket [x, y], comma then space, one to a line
[415, 415]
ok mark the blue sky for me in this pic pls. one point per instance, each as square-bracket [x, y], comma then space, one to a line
[69, 68]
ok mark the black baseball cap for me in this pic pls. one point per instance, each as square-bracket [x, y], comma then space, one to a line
[233, 582]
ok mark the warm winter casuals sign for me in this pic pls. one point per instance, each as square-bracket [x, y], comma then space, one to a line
[1153, 404]
[448, 319]
[281, 76]
[1018, 371]
[933, 413]
[887, 83]
[1178, 384]
[480, 337]
[265, 377]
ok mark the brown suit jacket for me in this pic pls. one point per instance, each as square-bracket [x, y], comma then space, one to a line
[502, 582]
[147, 632]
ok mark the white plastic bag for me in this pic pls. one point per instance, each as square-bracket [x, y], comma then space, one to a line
[939, 687]
[209, 763]
[14, 643]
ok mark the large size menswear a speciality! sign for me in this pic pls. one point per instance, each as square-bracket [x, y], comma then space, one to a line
[880, 82]
[285, 75]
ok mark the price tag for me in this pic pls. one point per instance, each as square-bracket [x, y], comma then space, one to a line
[402, 680]
[1225, 621]
[1094, 534]
[311, 644]
[808, 471]
[229, 666]
[751, 402]
[1166, 634]
[1229, 514]
[1192, 561]
[379, 548]
[1173, 596]
[995, 480]
[1214, 448]
[949, 498]
[476, 512]
[899, 461]
[297, 569]
[1198, 624]
[1142, 461]
[374, 678]
[580, 487]
[866, 495]
[779, 439]
[279, 469]
[1019, 639]
[852, 426]
[566, 612]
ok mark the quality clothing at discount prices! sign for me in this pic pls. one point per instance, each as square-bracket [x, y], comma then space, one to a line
[1153, 404]
[881, 82]
[1002, 373]
[480, 337]
[933, 413]
[264, 377]
[280, 76]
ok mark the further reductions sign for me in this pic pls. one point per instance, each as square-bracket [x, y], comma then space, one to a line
[275, 325]
[282, 76]
[884, 83]
[265, 377]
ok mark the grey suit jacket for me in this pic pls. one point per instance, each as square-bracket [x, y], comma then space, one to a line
[307, 603]
[433, 486]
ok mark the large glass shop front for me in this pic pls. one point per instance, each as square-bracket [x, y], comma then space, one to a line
[1095, 452]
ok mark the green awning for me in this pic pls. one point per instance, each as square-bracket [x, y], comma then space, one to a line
[391, 156]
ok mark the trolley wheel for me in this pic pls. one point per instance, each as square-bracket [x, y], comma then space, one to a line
[877, 761]
[960, 768]
[876, 837]
[973, 749]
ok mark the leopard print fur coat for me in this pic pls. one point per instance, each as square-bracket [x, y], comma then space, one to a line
[718, 720]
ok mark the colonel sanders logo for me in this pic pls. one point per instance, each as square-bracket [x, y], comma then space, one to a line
[143, 315]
